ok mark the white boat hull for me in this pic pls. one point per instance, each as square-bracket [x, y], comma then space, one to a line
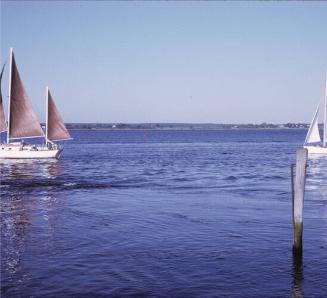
[316, 150]
[30, 152]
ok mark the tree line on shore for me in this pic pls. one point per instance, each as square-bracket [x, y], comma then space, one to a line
[184, 126]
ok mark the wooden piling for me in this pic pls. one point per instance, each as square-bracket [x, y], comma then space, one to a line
[298, 189]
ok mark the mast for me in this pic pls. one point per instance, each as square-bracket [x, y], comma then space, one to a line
[325, 118]
[9, 94]
[46, 113]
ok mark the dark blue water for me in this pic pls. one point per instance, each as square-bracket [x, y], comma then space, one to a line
[163, 213]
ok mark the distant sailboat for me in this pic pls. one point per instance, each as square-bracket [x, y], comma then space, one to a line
[313, 140]
[23, 122]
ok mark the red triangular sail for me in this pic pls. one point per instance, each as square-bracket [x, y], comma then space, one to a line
[56, 129]
[23, 121]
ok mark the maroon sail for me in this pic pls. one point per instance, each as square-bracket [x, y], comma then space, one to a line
[23, 122]
[56, 129]
[3, 126]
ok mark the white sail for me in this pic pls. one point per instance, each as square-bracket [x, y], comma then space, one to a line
[313, 135]
[325, 117]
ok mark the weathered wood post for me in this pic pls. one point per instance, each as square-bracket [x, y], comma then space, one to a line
[298, 189]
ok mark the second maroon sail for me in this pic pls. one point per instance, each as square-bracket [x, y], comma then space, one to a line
[56, 129]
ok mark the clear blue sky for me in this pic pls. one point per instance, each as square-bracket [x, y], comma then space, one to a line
[219, 62]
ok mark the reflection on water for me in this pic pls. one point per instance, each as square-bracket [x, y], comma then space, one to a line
[18, 211]
[316, 193]
[14, 223]
[317, 175]
[27, 169]
[297, 270]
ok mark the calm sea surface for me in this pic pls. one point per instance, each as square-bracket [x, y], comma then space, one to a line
[165, 214]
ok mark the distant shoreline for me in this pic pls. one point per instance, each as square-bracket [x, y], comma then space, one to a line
[183, 126]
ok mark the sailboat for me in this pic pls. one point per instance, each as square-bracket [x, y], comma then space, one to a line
[313, 140]
[23, 123]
